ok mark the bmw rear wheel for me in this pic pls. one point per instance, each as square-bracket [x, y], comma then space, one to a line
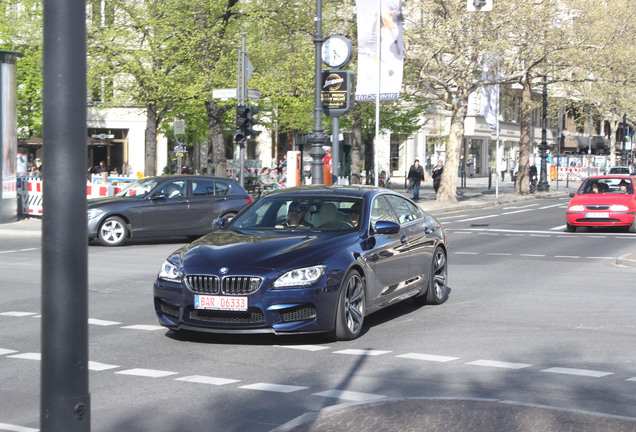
[351, 307]
[113, 231]
[437, 291]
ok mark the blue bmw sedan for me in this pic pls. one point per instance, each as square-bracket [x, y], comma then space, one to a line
[307, 259]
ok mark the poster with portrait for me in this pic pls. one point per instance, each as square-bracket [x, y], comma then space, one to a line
[386, 69]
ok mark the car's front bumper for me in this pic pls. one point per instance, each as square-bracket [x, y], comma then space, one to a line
[299, 310]
[583, 218]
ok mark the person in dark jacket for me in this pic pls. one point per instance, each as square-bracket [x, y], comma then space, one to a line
[415, 177]
[437, 175]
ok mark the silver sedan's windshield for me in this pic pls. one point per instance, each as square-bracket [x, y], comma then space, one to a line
[301, 213]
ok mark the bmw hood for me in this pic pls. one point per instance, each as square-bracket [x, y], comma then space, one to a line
[271, 251]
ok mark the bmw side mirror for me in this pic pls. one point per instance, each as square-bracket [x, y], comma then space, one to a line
[387, 227]
[220, 223]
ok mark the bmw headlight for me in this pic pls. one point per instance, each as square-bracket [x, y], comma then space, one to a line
[618, 208]
[576, 208]
[93, 213]
[300, 277]
[170, 272]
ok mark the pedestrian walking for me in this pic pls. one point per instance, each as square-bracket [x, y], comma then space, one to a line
[428, 165]
[437, 174]
[512, 168]
[470, 167]
[502, 168]
[415, 177]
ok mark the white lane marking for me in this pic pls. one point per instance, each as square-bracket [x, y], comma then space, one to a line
[479, 218]
[498, 254]
[97, 366]
[514, 235]
[18, 314]
[578, 372]
[15, 428]
[518, 211]
[600, 257]
[428, 357]
[18, 250]
[362, 352]
[532, 255]
[521, 207]
[550, 206]
[350, 395]
[149, 373]
[144, 327]
[304, 347]
[499, 364]
[466, 253]
[540, 235]
[200, 379]
[631, 379]
[6, 351]
[27, 356]
[99, 322]
[567, 256]
[278, 388]
[558, 228]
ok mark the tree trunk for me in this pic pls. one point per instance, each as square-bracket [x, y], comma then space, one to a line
[215, 115]
[522, 185]
[150, 168]
[613, 126]
[447, 193]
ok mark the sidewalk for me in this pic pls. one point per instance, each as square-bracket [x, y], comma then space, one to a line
[453, 415]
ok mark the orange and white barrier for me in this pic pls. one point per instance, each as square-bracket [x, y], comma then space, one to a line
[570, 173]
[30, 192]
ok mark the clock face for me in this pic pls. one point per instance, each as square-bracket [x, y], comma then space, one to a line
[336, 51]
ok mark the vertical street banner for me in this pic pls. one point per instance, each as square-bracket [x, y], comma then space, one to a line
[490, 93]
[391, 56]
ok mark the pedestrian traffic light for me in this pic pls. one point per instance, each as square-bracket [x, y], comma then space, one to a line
[251, 121]
[242, 123]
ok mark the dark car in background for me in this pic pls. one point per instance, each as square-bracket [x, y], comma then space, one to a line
[307, 259]
[164, 206]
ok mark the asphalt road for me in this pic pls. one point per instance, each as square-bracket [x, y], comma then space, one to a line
[535, 315]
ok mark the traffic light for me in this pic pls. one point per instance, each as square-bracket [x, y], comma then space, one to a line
[479, 3]
[244, 122]
[251, 121]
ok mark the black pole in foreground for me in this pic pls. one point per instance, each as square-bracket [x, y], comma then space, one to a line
[65, 400]
[543, 185]
[317, 138]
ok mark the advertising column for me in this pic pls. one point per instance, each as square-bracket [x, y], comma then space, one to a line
[9, 144]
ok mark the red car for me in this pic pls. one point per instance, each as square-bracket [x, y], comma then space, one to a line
[603, 201]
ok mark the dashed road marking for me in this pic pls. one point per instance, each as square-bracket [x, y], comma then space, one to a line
[577, 372]
[350, 395]
[428, 357]
[200, 379]
[362, 352]
[145, 327]
[104, 323]
[304, 347]
[278, 388]
[15, 428]
[27, 356]
[149, 373]
[18, 314]
[97, 366]
[499, 364]
[6, 351]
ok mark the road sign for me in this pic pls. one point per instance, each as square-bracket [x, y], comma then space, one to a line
[179, 127]
[232, 93]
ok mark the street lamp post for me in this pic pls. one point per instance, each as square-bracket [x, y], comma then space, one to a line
[544, 186]
[317, 138]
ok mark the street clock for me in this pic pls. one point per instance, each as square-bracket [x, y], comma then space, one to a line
[337, 51]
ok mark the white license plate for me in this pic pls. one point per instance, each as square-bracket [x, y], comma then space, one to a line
[220, 302]
[603, 215]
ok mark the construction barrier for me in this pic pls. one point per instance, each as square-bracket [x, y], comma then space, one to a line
[570, 173]
[30, 193]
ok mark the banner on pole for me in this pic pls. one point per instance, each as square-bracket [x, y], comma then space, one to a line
[490, 93]
[391, 56]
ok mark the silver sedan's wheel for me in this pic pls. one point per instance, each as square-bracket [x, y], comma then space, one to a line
[437, 290]
[351, 307]
[113, 231]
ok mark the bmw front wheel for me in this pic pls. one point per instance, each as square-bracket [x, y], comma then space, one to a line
[113, 231]
[437, 289]
[351, 307]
